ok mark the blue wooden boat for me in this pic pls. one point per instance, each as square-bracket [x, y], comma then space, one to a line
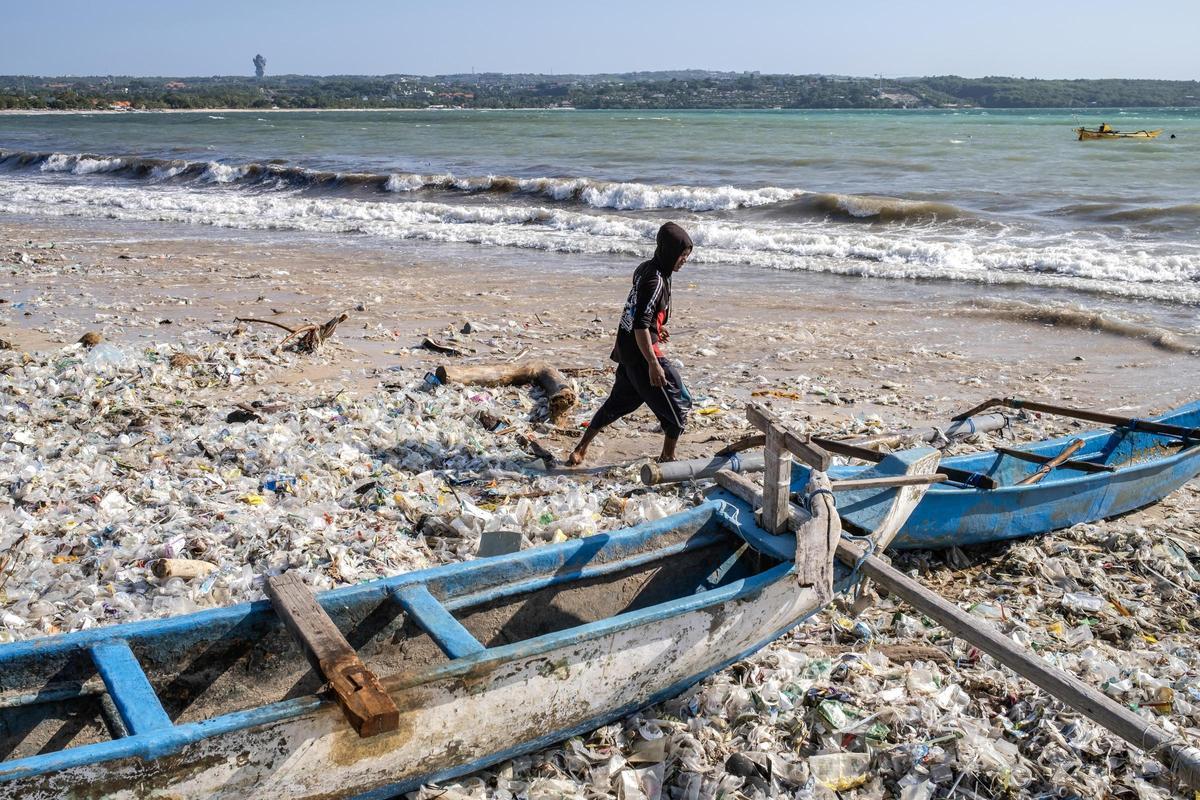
[1115, 470]
[483, 660]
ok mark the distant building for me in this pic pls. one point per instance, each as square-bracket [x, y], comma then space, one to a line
[176, 85]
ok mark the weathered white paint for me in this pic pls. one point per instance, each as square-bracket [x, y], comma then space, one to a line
[446, 722]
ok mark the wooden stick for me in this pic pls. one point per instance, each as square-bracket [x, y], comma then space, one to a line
[1183, 761]
[561, 396]
[1038, 458]
[287, 328]
[367, 706]
[748, 443]
[1045, 469]
[887, 480]
[816, 533]
[874, 456]
[1132, 423]
[801, 446]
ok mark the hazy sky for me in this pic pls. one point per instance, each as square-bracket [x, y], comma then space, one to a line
[1045, 39]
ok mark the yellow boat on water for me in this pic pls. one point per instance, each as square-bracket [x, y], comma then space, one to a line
[1105, 131]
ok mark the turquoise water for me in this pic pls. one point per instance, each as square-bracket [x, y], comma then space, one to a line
[992, 197]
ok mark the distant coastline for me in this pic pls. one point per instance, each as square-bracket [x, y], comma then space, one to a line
[691, 89]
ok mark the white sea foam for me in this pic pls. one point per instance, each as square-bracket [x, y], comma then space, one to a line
[814, 246]
[80, 165]
[222, 173]
[165, 171]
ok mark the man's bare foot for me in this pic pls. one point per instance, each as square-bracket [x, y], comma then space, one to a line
[576, 458]
[665, 458]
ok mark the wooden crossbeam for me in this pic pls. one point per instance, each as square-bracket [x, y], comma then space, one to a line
[874, 456]
[802, 446]
[1038, 458]
[368, 708]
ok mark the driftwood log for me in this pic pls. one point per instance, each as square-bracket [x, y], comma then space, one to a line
[559, 393]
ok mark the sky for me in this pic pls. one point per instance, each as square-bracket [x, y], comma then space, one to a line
[1046, 39]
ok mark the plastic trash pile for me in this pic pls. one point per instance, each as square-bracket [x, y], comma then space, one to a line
[138, 484]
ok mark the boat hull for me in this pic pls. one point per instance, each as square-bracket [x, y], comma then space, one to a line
[1089, 135]
[455, 718]
[1149, 469]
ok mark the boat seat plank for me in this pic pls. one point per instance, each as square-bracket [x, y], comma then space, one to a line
[1074, 463]
[130, 689]
[368, 708]
[424, 609]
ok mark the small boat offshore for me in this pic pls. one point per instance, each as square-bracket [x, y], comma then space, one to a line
[1106, 132]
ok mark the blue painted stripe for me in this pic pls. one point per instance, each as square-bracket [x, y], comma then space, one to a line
[156, 744]
[129, 688]
[424, 609]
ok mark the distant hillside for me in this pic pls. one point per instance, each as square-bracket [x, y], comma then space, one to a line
[676, 89]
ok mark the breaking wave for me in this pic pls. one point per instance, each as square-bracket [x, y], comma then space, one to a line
[866, 208]
[850, 249]
[621, 196]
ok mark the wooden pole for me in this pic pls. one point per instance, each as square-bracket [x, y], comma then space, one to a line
[777, 482]
[1060, 459]
[1038, 458]
[1183, 761]
[887, 481]
[1132, 423]
[817, 537]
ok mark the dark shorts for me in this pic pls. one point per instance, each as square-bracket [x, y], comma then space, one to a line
[670, 403]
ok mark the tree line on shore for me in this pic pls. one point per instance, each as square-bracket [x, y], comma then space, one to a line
[686, 89]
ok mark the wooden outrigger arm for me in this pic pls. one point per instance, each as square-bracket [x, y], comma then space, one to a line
[1132, 423]
[1183, 761]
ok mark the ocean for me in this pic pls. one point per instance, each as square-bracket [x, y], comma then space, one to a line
[971, 197]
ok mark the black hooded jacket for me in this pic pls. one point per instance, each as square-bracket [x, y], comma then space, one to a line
[648, 306]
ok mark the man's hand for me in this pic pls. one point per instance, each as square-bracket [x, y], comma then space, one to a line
[664, 335]
[657, 376]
